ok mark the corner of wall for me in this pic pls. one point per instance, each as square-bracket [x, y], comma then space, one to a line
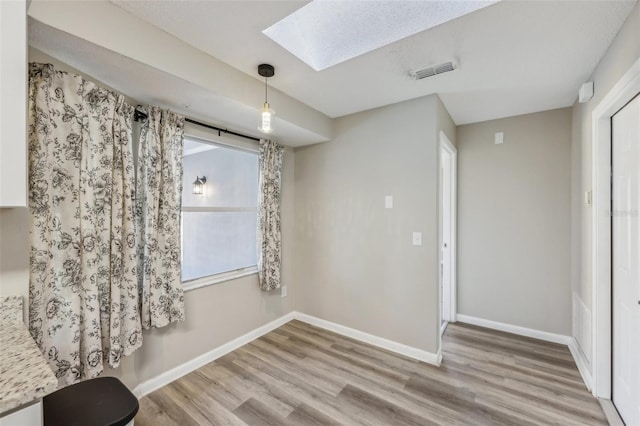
[617, 60]
[14, 254]
[444, 122]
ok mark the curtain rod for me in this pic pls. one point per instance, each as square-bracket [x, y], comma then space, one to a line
[141, 115]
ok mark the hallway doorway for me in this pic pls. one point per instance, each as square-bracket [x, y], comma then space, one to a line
[448, 219]
[625, 260]
[615, 277]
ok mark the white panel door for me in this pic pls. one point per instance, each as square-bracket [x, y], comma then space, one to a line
[445, 250]
[626, 261]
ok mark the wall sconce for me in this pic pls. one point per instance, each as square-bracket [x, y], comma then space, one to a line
[267, 115]
[198, 185]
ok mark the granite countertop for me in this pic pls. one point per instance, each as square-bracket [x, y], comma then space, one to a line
[24, 373]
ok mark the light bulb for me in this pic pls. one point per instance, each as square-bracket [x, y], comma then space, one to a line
[266, 125]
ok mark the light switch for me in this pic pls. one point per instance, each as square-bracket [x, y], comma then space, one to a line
[587, 198]
[417, 238]
[388, 202]
[283, 291]
[499, 138]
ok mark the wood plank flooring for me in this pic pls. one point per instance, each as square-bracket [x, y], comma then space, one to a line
[303, 375]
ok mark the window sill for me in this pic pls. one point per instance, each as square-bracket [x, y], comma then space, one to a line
[218, 278]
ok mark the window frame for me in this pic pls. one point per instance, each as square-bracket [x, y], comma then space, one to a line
[203, 135]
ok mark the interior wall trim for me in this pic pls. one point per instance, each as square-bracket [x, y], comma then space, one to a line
[627, 87]
[445, 144]
[581, 362]
[175, 373]
[390, 345]
[515, 329]
[582, 330]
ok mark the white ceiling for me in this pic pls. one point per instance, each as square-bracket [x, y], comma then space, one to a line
[514, 57]
[147, 84]
[324, 33]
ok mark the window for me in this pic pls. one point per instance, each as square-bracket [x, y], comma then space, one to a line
[219, 225]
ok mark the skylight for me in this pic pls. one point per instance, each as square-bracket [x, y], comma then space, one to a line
[327, 32]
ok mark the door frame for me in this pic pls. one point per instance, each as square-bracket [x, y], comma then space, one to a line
[446, 145]
[625, 89]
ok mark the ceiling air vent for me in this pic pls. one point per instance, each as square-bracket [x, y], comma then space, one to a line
[432, 70]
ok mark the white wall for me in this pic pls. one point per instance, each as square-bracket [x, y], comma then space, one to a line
[14, 224]
[355, 264]
[13, 103]
[514, 221]
[380, 283]
[220, 313]
[444, 122]
[623, 52]
[14, 253]
[214, 315]
[354, 261]
[81, 33]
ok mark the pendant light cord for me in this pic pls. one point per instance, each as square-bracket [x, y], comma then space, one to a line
[266, 99]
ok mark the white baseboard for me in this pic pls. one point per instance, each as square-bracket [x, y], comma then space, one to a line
[610, 412]
[582, 327]
[390, 345]
[169, 376]
[515, 329]
[581, 362]
[175, 373]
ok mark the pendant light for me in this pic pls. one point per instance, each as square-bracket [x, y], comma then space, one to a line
[267, 115]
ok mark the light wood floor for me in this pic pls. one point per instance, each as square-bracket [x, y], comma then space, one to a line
[303, 375]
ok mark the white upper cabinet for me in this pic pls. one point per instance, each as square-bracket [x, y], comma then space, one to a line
[13, 103]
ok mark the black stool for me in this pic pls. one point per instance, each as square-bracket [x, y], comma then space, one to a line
[104, 401]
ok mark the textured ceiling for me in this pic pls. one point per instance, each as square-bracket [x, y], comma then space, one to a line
[147, 84]
[324, 33]
[514, 57]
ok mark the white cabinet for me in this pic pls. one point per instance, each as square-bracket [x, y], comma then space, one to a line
[13, 103]
[30, 415]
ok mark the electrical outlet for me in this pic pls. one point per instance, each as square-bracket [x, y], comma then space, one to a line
[388, 202]
[283, 291]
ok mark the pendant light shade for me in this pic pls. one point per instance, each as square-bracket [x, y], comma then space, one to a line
[267, 115]
[266, 122]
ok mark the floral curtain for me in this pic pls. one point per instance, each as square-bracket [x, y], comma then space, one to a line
[83, 287]
[158, 212]
[269, 241]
